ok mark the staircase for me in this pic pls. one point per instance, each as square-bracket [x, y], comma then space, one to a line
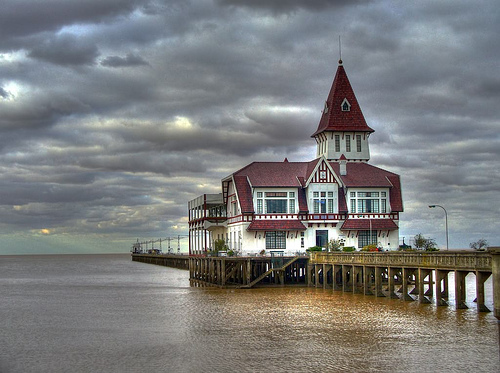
[267, 273]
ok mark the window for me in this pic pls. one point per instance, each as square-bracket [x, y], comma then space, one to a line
[337, 143]
[347, 143]
[345, 105]
[368, 202]
[330, 202]
[367, 238]
[322, 203]
[358, 143]
[276, 206]
[259, 194]
[292, 206]
[275, 240]
[260, 209]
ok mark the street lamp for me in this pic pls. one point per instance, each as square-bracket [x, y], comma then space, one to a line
[446, 221]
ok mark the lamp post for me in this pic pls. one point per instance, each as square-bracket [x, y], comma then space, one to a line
[446, 221]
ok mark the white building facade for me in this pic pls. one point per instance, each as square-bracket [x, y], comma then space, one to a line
[288, 207]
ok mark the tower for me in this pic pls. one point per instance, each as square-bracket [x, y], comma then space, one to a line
[342, 129]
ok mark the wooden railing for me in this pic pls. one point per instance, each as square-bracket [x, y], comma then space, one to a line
[471, 261]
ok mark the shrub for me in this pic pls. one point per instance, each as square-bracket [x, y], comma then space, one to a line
[370, 248]
[315, 248]
[348, 249]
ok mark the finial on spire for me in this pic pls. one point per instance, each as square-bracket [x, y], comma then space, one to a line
[340, 52]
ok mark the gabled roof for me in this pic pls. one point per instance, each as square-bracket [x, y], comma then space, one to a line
[276, 174]
[364, 175]
[244, 192]
[333, 118]
[294, 174]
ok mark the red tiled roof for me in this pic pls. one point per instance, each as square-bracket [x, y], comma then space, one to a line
[360, 174]
[334, 119]
[395, 193]
[364, 224]
[280, 174]
[301, 196]
[276, 225]
[342, 201]
[244, 192]
[364, 175]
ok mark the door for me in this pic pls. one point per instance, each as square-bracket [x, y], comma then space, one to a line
[321, 238]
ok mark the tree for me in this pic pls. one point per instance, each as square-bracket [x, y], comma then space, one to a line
[479, 245]
[427, 244]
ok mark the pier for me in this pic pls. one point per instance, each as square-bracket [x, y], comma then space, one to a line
[410, 276]
[167, 260]
[247, 272]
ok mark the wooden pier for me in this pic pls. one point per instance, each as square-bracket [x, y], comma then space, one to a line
[247, 272]
[410, 276]
[418, 276]
[167, 260]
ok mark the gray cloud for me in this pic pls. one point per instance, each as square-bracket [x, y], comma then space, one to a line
[114, 114]
[129, 60]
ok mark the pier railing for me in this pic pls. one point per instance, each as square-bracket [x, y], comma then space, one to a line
[472, 261]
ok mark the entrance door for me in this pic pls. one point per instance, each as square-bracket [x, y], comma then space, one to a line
[321, 238]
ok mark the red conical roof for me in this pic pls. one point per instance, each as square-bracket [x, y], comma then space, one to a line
[333, 118]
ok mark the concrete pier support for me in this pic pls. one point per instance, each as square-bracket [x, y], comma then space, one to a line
[379, 272]
[481, 277]
[347, 277]
[392, 273]
[441, 291]
[357, 281]
[337, 277]
[460, 291]
[369, 273]
[495, 269]
[407, 272]
[422, 274]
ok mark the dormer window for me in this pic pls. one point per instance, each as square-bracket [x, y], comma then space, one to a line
[346, 106]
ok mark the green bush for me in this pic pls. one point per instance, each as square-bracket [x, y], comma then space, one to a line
[348, 249]
[315, 248]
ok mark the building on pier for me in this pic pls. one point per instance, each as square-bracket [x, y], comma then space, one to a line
[290, 206]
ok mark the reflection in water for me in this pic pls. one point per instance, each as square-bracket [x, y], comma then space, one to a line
[315, 329]
[109, 314]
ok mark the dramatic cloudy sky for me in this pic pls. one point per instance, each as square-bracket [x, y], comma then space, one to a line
[115, 113]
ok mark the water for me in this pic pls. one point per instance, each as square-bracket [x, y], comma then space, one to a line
[105, 313]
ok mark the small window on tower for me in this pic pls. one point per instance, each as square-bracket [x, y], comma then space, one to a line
[346, 106]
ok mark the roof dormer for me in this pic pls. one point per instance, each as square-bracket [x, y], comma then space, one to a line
[345, 105]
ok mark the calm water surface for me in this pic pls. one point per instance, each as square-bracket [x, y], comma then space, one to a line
[105, 313]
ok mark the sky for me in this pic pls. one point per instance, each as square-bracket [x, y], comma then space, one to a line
[115, 113]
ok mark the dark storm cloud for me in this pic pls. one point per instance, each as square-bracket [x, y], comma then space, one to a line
[113, 114]
[129, 60]
[65, 50]
[286, 6]
[25, 17]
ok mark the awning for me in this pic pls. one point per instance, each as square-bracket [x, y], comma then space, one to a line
[276, 225]
[365, 225]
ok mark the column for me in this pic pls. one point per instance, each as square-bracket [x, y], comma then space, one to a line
[481, 277]
[460, 289]
[495, 268]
